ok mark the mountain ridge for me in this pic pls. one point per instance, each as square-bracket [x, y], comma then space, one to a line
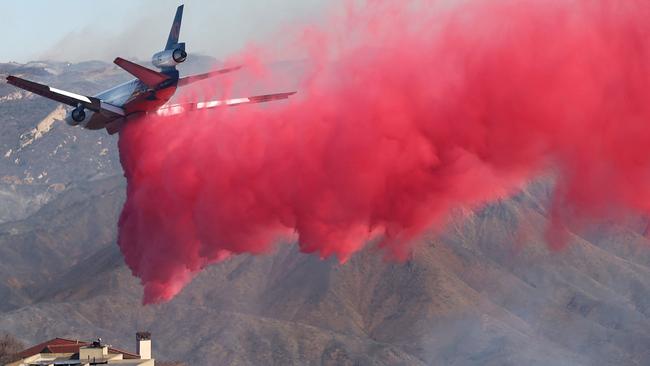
[485, 291]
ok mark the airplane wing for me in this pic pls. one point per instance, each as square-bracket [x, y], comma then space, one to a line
[65, 97]
[174, 109]
[194, 78]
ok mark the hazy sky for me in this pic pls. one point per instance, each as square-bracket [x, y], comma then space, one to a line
[73, 30]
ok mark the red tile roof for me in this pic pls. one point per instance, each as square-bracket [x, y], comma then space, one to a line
[127, 355]
[43, 347]
[62, 345]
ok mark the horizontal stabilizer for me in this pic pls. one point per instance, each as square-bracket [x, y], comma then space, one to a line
[194, 78]
[174, 109]
[149, 77]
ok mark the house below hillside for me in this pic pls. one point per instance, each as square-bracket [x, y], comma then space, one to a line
[68, 352]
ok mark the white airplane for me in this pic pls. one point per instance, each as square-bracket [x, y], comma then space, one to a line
[149, 93]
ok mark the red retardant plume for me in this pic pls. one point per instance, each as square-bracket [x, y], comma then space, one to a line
[410, 109]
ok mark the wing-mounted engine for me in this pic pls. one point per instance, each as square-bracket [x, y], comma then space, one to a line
[170, 58]
[78, 116]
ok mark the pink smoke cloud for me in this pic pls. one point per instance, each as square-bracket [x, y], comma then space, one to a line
[409, 111]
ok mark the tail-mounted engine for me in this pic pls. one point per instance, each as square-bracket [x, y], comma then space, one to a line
[170, 58]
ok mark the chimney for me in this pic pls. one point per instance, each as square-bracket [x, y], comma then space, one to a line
[143, 347]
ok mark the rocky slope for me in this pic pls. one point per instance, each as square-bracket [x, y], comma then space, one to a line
[485, 292]
[39, 154]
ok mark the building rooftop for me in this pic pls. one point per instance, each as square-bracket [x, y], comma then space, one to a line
[62, 345]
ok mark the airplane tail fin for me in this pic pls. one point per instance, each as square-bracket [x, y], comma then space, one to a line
[174, 33]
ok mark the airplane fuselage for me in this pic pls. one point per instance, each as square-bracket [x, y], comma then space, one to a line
[134, 97]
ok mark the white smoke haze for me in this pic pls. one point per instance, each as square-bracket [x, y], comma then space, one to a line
[217, 29]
